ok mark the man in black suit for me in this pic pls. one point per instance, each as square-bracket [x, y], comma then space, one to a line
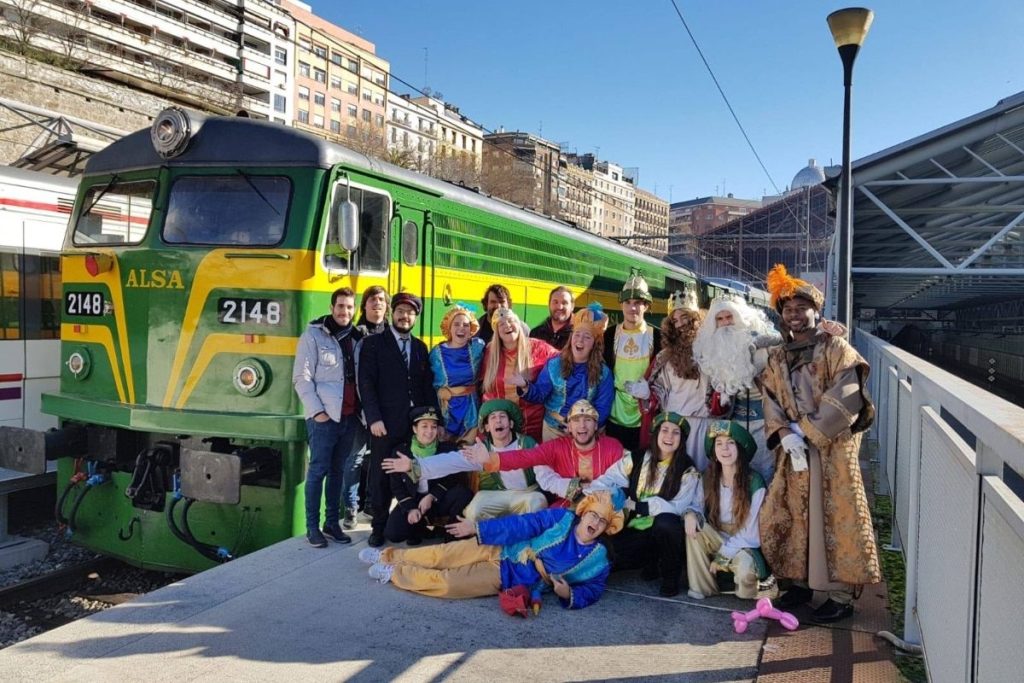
[394, 376]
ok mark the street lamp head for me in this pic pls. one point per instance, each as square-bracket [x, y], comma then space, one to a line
[850, 26]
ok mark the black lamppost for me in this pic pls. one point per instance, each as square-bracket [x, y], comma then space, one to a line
[849, 27]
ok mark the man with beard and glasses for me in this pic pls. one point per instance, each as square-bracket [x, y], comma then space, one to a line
[394, 376]
[815, 523]
[731, 349]
[629, 348]
[325, 380]
[557, 327]
[564, 465]
[674, 378]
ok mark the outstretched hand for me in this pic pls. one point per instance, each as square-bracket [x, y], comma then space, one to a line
[461, 528]
[477, 453]
[399, 463]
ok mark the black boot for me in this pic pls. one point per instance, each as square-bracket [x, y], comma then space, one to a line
[830, 611]
[796, 595]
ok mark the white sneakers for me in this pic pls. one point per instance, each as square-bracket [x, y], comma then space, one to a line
[381, 573]
[696, 595]
[370, 555]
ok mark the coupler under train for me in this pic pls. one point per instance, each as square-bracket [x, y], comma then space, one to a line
[158, 501]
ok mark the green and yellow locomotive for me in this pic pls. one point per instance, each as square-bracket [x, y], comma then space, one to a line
[197, 252]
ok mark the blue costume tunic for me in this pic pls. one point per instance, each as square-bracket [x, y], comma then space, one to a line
[458, 368]
[558, 393]
[548, 536]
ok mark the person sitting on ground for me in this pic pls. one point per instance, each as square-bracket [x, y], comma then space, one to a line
[661, 484]
[456, 366]
[563, 466]
[722, 538]
[578, 373]
[422, 502]
[552, 549]
[510, 352]
[497, 494]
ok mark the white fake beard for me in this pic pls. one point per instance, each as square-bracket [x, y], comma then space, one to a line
[725, 357]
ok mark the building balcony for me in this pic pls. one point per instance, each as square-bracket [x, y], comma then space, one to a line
[150, 16]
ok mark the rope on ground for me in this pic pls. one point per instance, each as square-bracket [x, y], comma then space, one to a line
[901, 644]
[693, 603]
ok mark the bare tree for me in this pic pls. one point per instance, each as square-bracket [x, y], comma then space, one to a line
[509, 178]
[22, 23]
[455, 166]
[68, 33]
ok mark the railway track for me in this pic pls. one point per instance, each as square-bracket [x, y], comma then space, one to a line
[55, 582]
[45, 602]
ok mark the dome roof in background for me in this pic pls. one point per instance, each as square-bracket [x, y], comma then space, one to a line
[810, 175]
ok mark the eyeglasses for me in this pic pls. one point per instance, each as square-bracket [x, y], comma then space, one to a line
[595, 519]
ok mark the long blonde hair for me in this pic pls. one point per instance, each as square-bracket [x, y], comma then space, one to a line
[496, 351]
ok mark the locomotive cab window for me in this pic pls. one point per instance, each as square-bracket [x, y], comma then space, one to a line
[114, 212]
[239, 210]
[374, 219]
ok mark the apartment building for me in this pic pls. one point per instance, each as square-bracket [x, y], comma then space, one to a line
[650, 221]
[576, 205]
[340, 84]
[411, 131]
[612, 196]
[216, 55]
[524, 169]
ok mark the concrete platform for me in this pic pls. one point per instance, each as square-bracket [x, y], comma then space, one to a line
[292, 613]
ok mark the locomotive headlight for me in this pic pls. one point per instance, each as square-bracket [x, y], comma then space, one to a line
[79, 363]
[250, 377]
[171, 132]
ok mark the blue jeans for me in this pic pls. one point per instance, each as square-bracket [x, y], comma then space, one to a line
[330, 444]
[354, 468]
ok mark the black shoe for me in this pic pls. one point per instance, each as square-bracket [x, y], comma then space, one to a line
[376, 539]
[796, 595]
[830, 611]
[316, 539]
[349, 523]
[726, 582]
[669, 589]
[650, 572]
[336, 534]
[413, 540]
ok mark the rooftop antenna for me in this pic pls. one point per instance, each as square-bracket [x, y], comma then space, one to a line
[426, 61]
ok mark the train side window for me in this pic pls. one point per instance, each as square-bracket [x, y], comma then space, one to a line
[115, 213]
[10, 295]
[374, 221]
[410, 243]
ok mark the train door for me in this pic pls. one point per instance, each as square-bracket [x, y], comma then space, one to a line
[411, 273]
[29, 318]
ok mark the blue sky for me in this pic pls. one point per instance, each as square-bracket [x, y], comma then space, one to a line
[623, 79]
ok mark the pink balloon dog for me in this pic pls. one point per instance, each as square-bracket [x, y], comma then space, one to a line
[764, 608]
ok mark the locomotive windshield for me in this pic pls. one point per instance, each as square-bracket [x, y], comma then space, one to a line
[234, 210]
[115, 212]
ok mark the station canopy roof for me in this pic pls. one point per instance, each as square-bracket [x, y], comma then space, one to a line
[938, 218]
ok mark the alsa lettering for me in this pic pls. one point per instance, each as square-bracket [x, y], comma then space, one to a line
[154, 279]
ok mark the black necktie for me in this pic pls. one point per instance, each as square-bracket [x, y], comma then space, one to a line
[405, 350]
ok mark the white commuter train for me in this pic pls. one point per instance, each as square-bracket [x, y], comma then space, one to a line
[34, 212]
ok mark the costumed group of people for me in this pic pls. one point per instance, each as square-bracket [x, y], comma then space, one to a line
[715, 454]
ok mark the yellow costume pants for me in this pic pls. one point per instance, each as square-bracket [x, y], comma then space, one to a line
[463, 569]
[701, 550]
[491, 504]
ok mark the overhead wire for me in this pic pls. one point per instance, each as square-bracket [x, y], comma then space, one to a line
[736, 118]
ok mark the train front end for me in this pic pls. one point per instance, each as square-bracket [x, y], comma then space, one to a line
[188, 277]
